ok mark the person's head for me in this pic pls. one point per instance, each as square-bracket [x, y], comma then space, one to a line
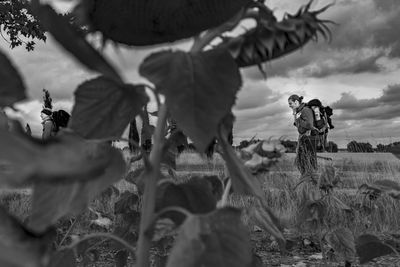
[295, 101]
[45, 113]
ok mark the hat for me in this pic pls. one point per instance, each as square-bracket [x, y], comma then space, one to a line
[47, 111]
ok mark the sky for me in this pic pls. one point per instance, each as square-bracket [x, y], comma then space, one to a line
[357, 74]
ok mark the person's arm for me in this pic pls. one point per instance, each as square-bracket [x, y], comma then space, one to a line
[306, 119]
[47, 128]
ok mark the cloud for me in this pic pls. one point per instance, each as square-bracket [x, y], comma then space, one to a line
[391, 95]
[255, 94]
[349, 102]
[384, 107]
[344, 62]
[260, 110]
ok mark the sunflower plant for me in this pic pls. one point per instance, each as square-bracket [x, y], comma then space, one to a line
[198, 89]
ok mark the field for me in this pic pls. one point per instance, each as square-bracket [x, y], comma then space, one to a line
[380, 217]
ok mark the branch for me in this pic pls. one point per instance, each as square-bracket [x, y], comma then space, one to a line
[69, 231]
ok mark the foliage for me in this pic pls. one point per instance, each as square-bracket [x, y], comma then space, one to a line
[342, 241]
[194, 78]
[393, 148]
[355, 146]
[246, 143]
[289, 145]
[200, 87]
[12, 88]
[105, 107]
[162, 23]
[18, 23]
[215, 239]
[370, 247]
[332, 147]
[375, 189]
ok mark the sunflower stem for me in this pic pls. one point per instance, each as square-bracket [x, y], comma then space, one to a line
[151, 176]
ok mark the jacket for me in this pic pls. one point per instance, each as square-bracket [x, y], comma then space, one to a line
[49, 129]
[304, 119]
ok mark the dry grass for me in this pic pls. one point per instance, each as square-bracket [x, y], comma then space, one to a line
[353, 168]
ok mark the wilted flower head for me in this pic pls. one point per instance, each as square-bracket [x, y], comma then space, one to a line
[260, 156]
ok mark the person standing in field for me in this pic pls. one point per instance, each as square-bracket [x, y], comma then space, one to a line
[306, 155]
[52, 121]
[49, 128]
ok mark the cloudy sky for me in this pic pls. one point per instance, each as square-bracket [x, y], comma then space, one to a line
[357, 74]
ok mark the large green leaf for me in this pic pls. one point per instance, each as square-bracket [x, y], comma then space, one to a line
[390, 187]
[200, 89]
[243, 181]
[216, 239]
[370, 247]
[63, 258]
[25, 160]
[104, 108]
[72, 41]
[52, 202]
[195, 195]
[18, 246]
[342, 242]
[12, 88]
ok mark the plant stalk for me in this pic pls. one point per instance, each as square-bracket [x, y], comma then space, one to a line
[149, 197]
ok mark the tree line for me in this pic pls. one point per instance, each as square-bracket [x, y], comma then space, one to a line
[332, 147]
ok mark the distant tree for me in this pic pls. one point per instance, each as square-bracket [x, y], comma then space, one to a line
[18, 26]
[243, 144]
[381, 148]
[289, 145]
[394, 148]
[332, 147]
[355, 146]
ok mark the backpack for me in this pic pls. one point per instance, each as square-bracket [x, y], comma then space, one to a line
[322, 120]
[60, 118]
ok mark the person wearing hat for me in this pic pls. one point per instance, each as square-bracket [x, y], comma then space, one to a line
[48, 124]
[49, 128]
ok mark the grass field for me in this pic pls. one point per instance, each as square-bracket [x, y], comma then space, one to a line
[381, 218]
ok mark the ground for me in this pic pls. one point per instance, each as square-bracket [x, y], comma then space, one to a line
[354, 169]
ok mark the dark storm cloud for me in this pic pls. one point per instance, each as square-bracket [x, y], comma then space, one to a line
[385, 107]
[357, 64]
[391, 95]
[350, 103]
